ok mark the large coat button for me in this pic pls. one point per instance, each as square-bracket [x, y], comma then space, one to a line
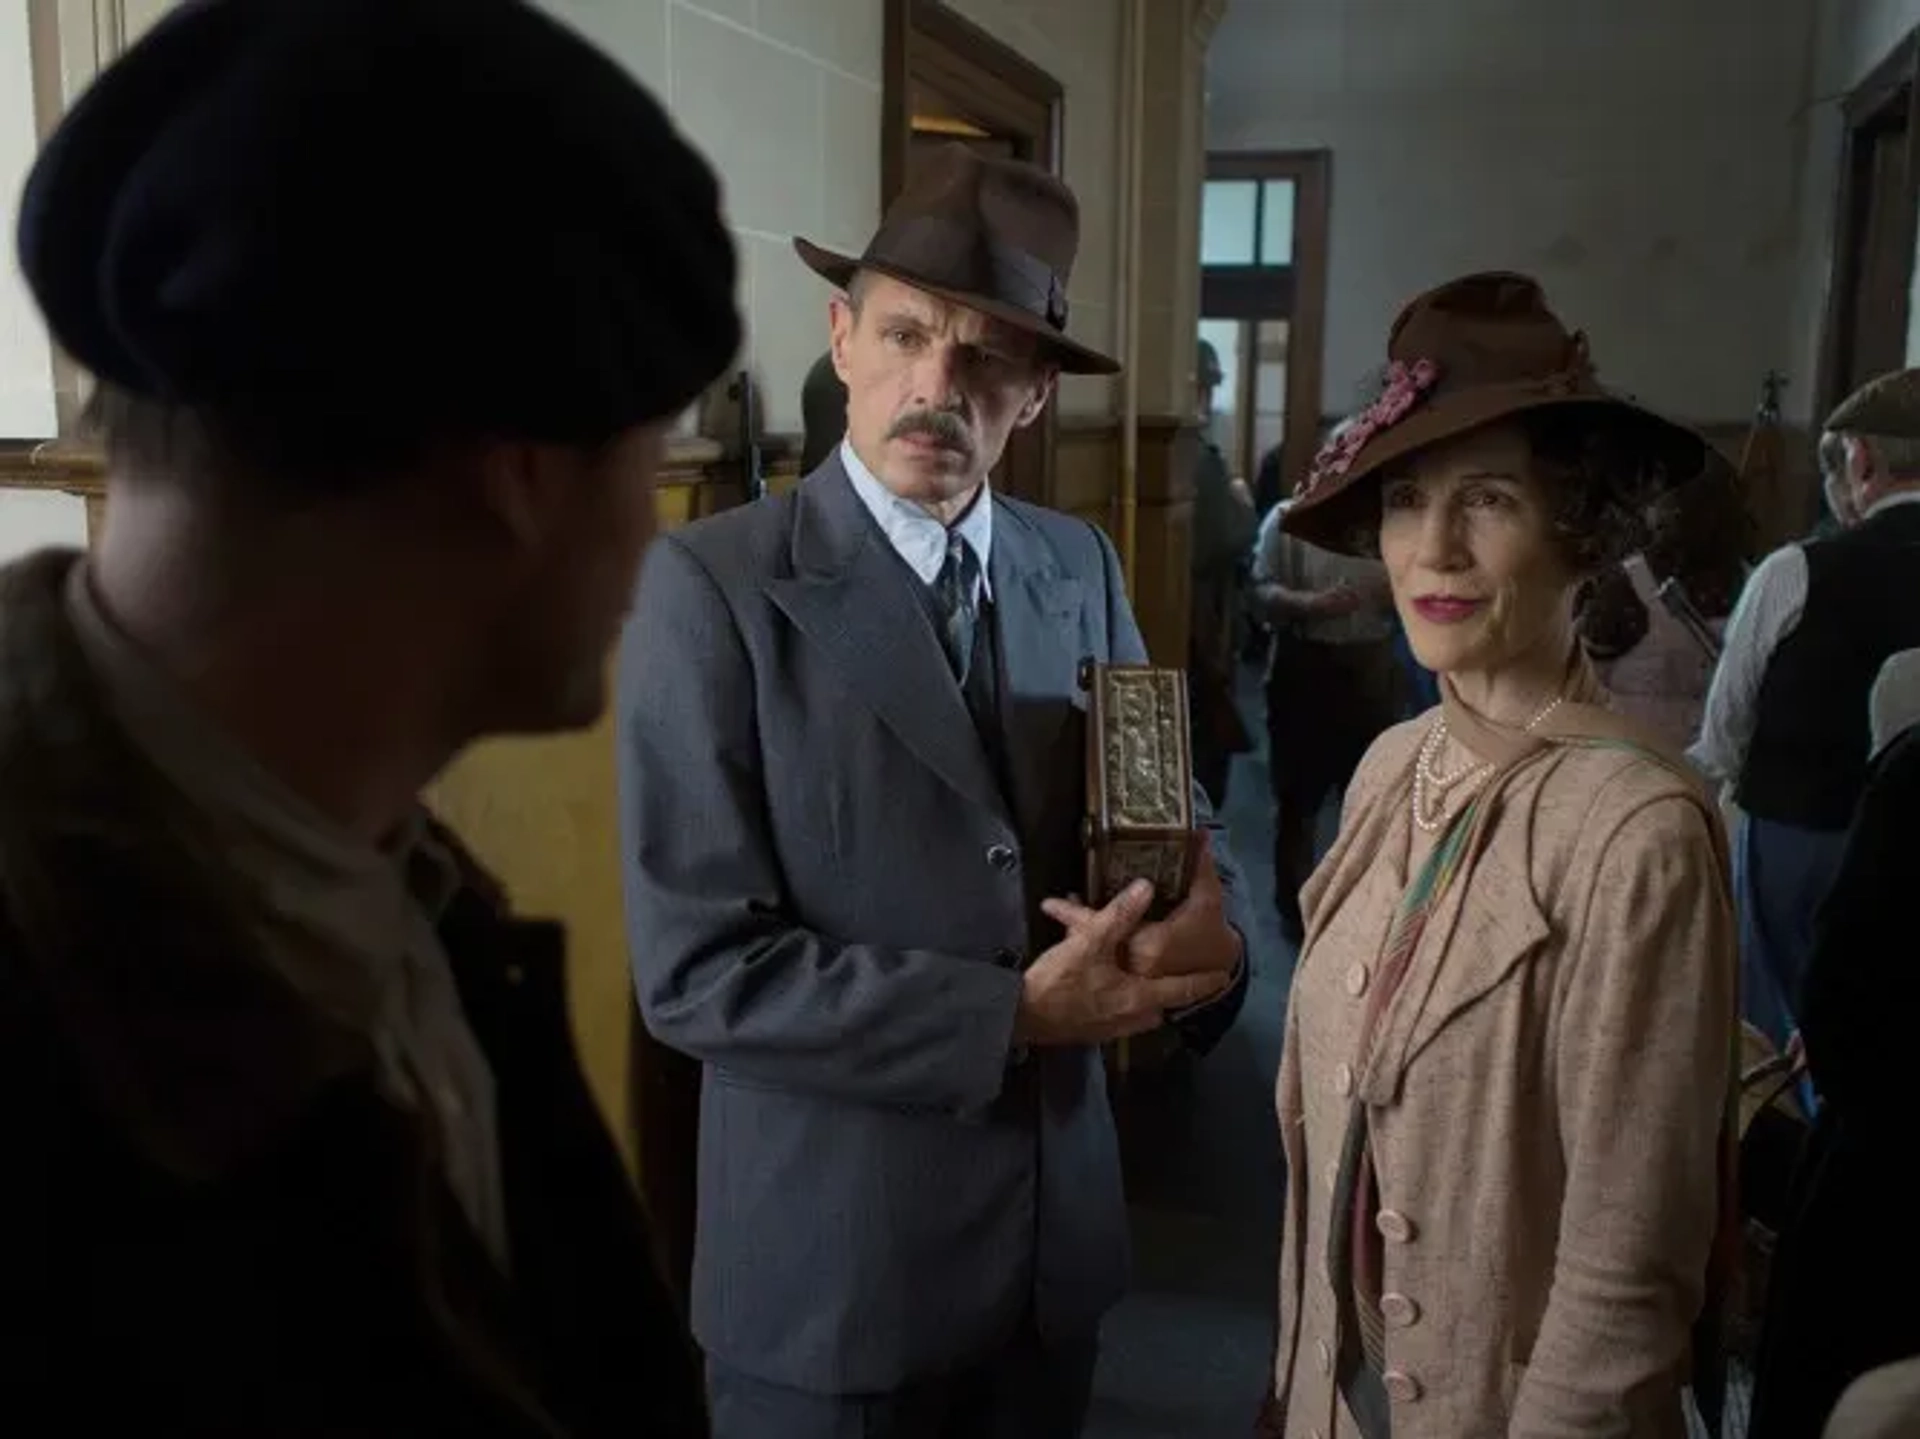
[1399, 1311]
[1394, 1226]
[1401, 1388]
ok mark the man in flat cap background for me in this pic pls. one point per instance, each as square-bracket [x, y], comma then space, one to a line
[852, 769]
[1787, 721]
[297, 1142]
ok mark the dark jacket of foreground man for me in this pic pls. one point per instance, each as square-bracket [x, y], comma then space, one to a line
[213, 1223]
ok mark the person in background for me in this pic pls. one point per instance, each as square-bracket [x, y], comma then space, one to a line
[1332, 687]
[1508, 1061]
[852, 770]
[297, 1142]
[1223, 527]
[1894, 704]
[1883, 1403]
[823, 414]
[1656, 665]
[1419, 687]
[1269, 482]
[1786, 726]
[1839, 1297]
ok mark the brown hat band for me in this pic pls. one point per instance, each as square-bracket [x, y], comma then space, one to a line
[973, 261]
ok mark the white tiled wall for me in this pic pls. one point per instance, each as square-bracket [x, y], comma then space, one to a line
[27, 410]
[784, 98]
[1079, 43]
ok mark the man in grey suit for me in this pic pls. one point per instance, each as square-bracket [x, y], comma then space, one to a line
[852, 778]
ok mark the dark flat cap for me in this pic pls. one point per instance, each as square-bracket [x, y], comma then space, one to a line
[456, 210]
[1886, 407]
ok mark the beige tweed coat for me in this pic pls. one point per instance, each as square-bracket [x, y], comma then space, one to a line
[1545, 1102]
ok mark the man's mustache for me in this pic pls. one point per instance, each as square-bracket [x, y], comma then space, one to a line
[941, 426]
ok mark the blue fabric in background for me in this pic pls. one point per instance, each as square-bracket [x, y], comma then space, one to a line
[1423, 690]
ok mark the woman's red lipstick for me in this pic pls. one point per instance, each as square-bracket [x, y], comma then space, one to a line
[1446, 609]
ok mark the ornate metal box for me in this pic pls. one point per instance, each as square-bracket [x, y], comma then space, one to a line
[1139, 822]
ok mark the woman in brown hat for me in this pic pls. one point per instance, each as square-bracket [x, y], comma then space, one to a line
[1509, 1041]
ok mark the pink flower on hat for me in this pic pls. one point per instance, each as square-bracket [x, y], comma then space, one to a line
[1406, 383]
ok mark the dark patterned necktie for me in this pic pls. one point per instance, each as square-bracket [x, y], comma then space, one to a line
[955, 596]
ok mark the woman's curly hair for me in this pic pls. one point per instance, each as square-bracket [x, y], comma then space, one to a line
[1597, 464]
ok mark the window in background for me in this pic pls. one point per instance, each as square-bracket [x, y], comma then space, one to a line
[1276, 222]
[1226, 428]
[1263, 275]
[1269, 387]
[1229, 222]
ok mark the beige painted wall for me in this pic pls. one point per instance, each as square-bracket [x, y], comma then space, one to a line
[1639, 156]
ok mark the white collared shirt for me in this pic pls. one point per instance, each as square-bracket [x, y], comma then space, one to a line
[920, 539]
[1769, 609]
[1895, 701]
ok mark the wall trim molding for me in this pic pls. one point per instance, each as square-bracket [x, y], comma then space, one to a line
[81, 469]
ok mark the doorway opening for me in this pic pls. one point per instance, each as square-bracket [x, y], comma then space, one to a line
[1868, 298]
[947, 81]
[1263, 304]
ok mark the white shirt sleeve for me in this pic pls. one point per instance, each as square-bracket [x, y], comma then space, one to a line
[1895, 701]
[1770, 607]
[1267, 549]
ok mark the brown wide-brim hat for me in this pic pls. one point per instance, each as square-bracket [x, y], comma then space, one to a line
[1473, 352]
[994, 235]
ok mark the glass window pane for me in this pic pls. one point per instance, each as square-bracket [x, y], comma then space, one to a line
[1227, 222]
[1222, 426]
[1269, 388]
[1276, 224]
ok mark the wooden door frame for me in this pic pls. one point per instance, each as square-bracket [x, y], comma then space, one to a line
[1303, 290]
[1001, 91]
[1892, 88]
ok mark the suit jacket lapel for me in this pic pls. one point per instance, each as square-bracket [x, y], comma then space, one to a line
[851, 597]
[1037, 612]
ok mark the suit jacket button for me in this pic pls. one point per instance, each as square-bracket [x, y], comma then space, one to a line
[1002, 858]
[1007, 958]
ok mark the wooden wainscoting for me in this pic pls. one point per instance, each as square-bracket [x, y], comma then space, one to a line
[1087, 484]
[61, 468]
[1086, 470]
[1163, 537]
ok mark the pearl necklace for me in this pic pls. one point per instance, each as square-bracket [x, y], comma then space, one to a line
[1432, 790]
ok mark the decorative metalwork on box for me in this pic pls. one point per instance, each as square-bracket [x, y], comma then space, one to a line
[1139, 821]
[1146, 779]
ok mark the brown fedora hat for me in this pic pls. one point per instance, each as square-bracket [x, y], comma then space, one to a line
[1472, 352]
[994, 235]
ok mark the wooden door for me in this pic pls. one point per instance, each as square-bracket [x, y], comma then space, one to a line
[946, 81]
[1263, 299]
[1875, 222]
[1882, 259]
